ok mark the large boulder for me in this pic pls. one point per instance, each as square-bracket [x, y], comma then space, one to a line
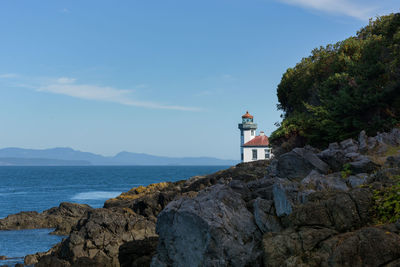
[297, 163]
[213, 229]
[363, 164]
[313, 246]
[318, 182]
[97, 237]
[334, 156]
[342, 211]
[328, 230]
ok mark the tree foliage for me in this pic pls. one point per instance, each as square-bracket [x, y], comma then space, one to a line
[344, 88]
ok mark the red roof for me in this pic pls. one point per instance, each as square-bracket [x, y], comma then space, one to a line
[247, 116]
[261, 140]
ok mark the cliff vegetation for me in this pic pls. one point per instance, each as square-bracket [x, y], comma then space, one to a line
[344, 88]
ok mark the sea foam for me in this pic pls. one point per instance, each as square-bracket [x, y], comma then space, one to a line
[96, 195]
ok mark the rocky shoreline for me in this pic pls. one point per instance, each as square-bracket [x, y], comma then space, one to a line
[304, 208]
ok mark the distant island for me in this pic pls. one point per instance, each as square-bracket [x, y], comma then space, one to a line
[70, 157]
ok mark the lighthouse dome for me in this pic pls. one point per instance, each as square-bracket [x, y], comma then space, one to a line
[247, 116]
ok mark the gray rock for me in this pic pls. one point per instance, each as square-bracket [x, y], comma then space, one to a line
[291, 165]
[212, 229]
[334, 146]
[284, 194]
[98, 236]
[272, 169]
[63, 218]
[355, 181]
[349, 145]
[353, 156]
[387, 138]
[313, 159]
[362, 140]
[341, 211]
[264, 216]
[261, 188]
[335, 158]
[363, 165]
[297, 163]
[384, 141]
[371, 143]
[318, 182]
[368, 246]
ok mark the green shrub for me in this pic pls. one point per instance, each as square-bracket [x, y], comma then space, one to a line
[346, 172]
[387, 204]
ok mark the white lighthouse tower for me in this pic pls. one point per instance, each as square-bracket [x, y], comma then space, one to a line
[247, 131]
[252, 147]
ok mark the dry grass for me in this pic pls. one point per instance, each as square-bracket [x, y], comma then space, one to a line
[139, 191]
[380, 158]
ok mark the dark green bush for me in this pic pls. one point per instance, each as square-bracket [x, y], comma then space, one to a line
[344, 88]
[387, 204]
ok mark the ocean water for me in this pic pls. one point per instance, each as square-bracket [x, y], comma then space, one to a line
[40, 188]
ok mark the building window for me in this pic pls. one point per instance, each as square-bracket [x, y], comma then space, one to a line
[242, 157]
[254, 154]
[267, 153]
[252, 132]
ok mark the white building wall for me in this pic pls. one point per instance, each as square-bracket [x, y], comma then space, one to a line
[248, 153]
[248, 136]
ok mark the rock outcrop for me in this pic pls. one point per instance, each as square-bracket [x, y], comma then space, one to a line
[99, 235]
[213, 229]
[63, 218]
[313, 208]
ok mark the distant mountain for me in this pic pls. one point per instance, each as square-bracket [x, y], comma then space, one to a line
[68, 156]
[41, 162]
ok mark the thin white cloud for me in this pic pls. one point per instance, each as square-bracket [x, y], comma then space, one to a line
[8, 75]
[360, 10]
[66, 80]
[67, 86]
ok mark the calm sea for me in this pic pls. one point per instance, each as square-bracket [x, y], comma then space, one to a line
[40, 188]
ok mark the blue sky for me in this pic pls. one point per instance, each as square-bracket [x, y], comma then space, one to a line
[169, 77]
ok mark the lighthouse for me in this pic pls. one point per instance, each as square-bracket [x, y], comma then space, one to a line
[252, 147]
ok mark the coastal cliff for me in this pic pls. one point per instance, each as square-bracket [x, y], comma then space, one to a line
[307, 207]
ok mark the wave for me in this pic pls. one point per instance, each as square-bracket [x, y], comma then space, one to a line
[96, 195]
[13, 193]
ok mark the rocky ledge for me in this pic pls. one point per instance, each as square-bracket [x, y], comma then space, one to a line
[62, 218]
[336, 207]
